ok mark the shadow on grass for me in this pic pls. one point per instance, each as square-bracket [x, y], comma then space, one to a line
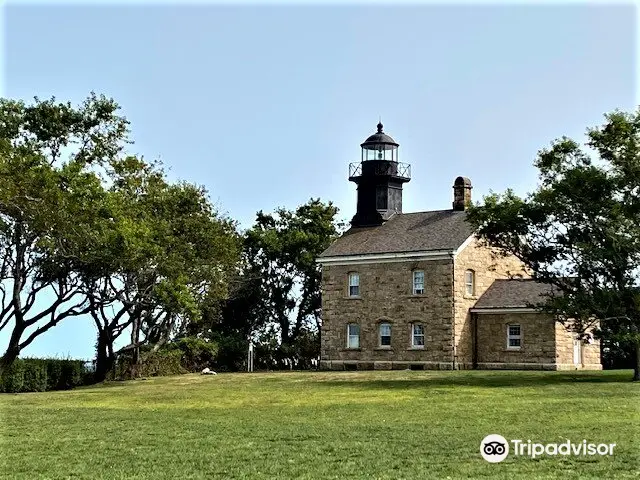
[482, 379]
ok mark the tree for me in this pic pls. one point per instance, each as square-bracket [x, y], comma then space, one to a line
[51, 200]
[169, 251]
[580, 229]
[282, 250]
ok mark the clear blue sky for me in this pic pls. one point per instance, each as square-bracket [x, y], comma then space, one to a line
[267, 105]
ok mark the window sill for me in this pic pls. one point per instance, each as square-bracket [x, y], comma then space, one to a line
[470, 297]
[415, 348]
[349, 297]
[351, 349]
[513, 349]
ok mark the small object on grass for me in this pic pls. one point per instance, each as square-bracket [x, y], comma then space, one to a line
[207, 371]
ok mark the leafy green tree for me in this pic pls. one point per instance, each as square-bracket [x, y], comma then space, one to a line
[170, 252]
[51, 203]
[580, 229]
[282, 250]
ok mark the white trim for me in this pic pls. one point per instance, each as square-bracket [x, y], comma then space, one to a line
[351, 276]
[414, 345]
[464, 245]
[492, 311]
[413, 280]
[388, 324]
[514, 337]
[349, 335]
[386, 257]
[473, 282]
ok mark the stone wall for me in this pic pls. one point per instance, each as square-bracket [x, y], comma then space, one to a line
[590, 352]
[386, 294]
[487, 267]
[538, 349]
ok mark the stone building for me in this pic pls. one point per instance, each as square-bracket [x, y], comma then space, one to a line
[418, 290]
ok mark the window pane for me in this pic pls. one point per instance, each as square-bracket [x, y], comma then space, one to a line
[353, 335]
[418, 277]
[418, 340]
[354, 291]
[385, 340]
[354, 279]
[514, 342]
[385, 329]
[418, 330]
[514, 330]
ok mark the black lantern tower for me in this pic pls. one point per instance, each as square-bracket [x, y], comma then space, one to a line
[379, 177]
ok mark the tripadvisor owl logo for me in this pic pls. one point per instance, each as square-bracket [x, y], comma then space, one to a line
[494, 448]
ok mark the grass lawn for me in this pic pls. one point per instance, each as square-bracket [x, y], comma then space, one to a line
[391, 425]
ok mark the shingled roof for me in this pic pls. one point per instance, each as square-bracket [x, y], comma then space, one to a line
[513, 293]
[405, 232]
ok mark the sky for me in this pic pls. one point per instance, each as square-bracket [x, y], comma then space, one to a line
[266, 105]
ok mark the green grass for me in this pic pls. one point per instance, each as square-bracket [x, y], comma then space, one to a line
[385, 425]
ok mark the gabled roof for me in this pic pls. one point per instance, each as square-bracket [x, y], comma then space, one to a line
[514, 293]
[405, 232]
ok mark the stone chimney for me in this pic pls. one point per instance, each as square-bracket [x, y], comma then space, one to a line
[461, 194]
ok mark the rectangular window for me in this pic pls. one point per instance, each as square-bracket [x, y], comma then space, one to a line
[417, 336]
[353, 335]
[470, 282]
[354, 285]
[418, 282]
[385, 335]
[514, 337]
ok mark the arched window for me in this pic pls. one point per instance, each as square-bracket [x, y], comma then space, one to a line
[470, 282]
[384, 334]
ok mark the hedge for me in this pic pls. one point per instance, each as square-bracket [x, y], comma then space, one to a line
[44, 374]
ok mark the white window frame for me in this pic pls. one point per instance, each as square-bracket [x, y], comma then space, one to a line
[470, 286]
[510, 336]
[414, 335]
[380, 326]
[417, 291]
[354, 281]
[351, 336]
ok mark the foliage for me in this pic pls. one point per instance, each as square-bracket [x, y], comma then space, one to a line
[174, 252]
[281, 249]
[580, 230]
[44, 374]
[196, 353]
[51, 206]
[232, 352]
[328, 425]
[271, 354]
[159, 363]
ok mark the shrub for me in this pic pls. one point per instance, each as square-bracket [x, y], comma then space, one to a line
[152, 364]
[43, 374]
[197, 353]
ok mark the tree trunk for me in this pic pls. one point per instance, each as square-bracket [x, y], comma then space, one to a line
[7, 360]
[636, 365]
[13, 350]
[104, 356]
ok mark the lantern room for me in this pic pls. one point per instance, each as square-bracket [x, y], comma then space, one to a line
[379, 146]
